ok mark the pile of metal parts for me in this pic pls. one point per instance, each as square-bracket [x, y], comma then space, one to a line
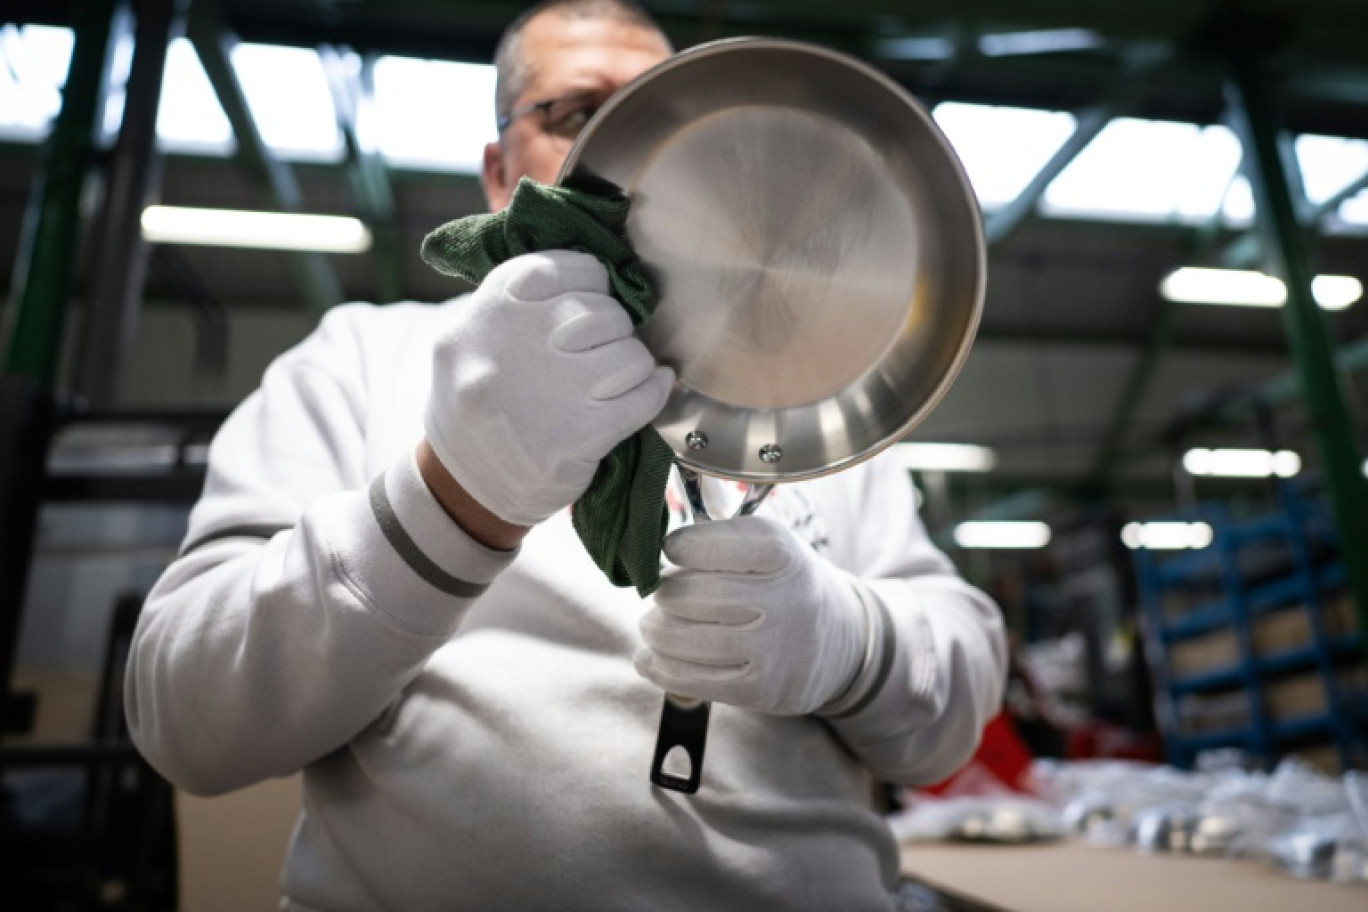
[1000, 819]
[1296, 819]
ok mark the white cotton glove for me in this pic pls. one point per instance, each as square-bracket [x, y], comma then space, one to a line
[753, 616]
[536, 378]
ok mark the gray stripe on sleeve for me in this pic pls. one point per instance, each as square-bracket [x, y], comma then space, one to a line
[886, 657]
[409, 551]
[263, 532]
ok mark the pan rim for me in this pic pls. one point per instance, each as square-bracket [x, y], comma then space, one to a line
[962, 188]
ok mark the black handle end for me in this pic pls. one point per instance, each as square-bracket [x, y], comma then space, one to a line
[686, 727]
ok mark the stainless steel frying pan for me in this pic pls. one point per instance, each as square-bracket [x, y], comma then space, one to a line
[820, 263]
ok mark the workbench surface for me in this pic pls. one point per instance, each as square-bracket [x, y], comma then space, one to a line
[1071, 877]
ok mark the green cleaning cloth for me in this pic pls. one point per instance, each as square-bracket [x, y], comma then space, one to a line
[621, 518]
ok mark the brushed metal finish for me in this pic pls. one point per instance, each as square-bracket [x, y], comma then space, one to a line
[815, 243]
[698, 504]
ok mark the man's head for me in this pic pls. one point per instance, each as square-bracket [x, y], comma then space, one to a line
[557, 63]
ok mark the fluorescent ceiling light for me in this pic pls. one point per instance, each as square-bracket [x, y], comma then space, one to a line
[945, 457]
[915, 48]
[1198, 285]
[1166, 536]
[1045, 41]
[986, 534]
[1336, 292]
[263, 230]
[1233, 463]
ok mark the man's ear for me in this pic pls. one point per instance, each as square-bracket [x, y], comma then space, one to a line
[494, 177]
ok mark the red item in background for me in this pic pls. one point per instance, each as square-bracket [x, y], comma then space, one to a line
[1002, 763]
[1100, 740]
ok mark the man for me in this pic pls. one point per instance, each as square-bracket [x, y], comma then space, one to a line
[381, 586]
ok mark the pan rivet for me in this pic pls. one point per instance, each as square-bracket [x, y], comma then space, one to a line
[696, 440]
[770, 453]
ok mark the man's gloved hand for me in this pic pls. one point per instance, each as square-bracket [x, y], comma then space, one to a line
[753, 616]
[534, 381]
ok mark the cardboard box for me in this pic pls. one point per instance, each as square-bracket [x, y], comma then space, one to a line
[1199, 655]
[1272, 632]
[1202, 713]
[1302, 695]
[1285, 699]
[1324, 757]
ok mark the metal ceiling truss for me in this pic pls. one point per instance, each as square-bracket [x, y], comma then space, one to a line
[1137, 72]
[1137, 383]
[214, 44]
[119, 254]
[353, 92]
[1246, 252]
[45, 264]
[1254, 119]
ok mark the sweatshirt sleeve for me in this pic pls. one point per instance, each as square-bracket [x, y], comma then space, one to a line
[306, 595]
[936, 665]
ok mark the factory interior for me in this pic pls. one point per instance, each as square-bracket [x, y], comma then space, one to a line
[1151, 459]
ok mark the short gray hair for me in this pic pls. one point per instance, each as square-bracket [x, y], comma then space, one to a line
[513, 70]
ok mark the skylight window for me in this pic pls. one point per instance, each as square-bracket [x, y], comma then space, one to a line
[33, 65]
[1134, 170]
[291, 103]
[285, 88]
[1355, 211]
[189, 118]
[1148, 170]
[433, 113]
[1002, 148]
[1328, 165]
[119, 65]
[1238, 209]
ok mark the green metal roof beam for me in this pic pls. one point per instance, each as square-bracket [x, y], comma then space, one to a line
[366, 171]
[214, 46]
[45, 266]
[132, 179]
[1247, 252]
[1132, 393]
[1125, 92]
[1253, 117]
[1349, 358]
[1161, 336]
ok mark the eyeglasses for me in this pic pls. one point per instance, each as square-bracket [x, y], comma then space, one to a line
[561, 118]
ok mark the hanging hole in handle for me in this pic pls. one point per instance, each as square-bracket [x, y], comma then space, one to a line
[677, 763]
[683, 728]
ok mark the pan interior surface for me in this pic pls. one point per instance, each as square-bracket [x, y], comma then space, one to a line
[777, 263]
[815, 246]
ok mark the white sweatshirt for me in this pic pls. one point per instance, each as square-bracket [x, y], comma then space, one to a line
[471, 729]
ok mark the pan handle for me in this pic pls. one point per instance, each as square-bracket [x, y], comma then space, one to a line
[693, 490]
[684, 720]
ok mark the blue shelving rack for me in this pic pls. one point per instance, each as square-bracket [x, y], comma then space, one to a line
[1281, 561]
